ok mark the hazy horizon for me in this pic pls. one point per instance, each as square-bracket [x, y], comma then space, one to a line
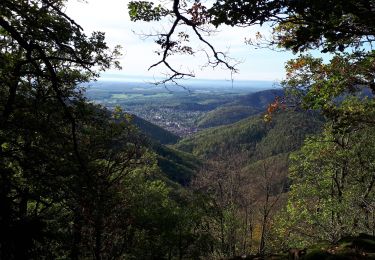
[145, 81]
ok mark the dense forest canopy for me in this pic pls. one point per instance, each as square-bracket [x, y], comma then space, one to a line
[78, 181]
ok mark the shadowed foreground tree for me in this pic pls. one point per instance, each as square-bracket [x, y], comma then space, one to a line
[43, 56]
[68, 168]
[77, 181]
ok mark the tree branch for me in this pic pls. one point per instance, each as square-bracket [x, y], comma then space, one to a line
[168, 46]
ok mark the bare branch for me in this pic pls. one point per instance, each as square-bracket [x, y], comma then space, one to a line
[197, 25]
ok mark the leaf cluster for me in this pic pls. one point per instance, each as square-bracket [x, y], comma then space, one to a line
[302, 25]
[146, 11]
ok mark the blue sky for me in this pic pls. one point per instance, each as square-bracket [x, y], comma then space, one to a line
[111, 17]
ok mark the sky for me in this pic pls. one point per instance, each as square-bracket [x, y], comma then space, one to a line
[111, 17]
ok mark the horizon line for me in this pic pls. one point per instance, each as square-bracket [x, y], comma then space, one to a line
[146, 79]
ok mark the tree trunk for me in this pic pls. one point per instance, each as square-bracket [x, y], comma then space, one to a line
[77, 236]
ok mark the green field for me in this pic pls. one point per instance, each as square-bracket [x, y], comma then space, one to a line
[141, 96]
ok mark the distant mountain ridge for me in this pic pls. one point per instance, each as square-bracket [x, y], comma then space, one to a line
[243, 107]
[260, 99]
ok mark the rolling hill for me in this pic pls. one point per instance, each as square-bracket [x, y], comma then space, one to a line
[155, 132]
[285, 133]
[178, 166]
[243, 107]
[225, 115]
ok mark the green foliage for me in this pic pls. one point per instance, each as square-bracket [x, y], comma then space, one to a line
[166, 223]
[302, 25]
[244, 176]
[43, 54]
[77, 181]
[179, 166]
[145, 11]
[253, 134]
[155, 132]
[332, 188]
[331, 174]
[352, 247]
[225, 115]
[215, 140]
[241, 108]
[323, 86]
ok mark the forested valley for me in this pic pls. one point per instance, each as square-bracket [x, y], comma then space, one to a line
[275, 173]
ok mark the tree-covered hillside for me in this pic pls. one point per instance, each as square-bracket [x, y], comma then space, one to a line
[178, 166]
[225, 115]
[154, 132]
[242, 107]
[285, 133]
[245, 174]
[260, 99]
